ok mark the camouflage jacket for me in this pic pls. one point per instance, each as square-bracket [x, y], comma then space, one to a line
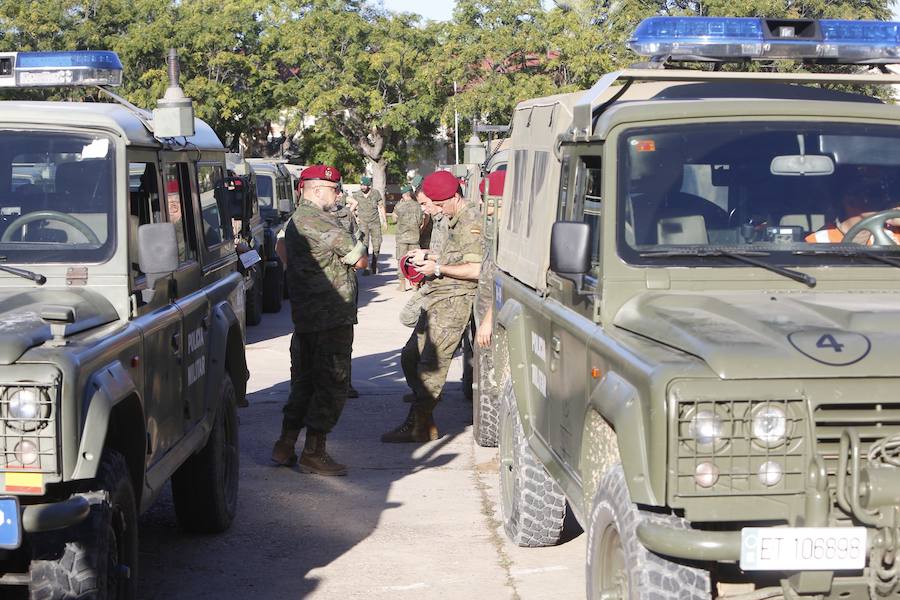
[321, 283]
[409, 221]
[367, 206]
[345, 217]
[463, 245]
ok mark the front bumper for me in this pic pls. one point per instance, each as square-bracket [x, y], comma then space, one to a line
[52, 516]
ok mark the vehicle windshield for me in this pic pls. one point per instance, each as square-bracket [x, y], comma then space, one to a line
[790, 191]
[264, 191]
[56, 197]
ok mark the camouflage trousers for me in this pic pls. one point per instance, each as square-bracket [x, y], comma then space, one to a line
[371, 235]
[320, 376]
[409, 314]
[402, 249]
[427, 355]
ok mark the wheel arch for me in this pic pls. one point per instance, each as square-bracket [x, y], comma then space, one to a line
[226, 343]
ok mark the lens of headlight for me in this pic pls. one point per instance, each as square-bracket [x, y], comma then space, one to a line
[706, 474]
[706, 427]
[24, 405]
[770, 425]
[770, 473]
[26, 452]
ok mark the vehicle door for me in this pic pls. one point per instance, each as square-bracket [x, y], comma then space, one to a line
[181, 197]
[156, 314]
[581, 199]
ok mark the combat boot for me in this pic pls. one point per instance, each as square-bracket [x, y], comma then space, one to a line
[315, 460]
[283, 454]
[418, 428]
[373, 264]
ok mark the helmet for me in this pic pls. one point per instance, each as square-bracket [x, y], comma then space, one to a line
[409, 271]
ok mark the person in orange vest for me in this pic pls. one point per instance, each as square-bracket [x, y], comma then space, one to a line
[860, 199]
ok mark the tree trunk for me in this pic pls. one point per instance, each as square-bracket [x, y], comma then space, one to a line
[379, 174]
[372, 148]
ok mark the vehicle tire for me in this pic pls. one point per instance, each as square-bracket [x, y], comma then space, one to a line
[205, 487]
[486, 402]
[98, 559]
[255, 300]
[532, 505]
[618, 565]
[273, 292]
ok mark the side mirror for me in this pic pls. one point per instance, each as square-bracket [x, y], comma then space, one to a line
[233, 197]
[570, 251]
[157, 253]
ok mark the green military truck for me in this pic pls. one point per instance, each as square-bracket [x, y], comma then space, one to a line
[121, 327]
[698, 309]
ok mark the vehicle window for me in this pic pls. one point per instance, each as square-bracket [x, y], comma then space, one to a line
[58, 197]
[265, 191]
[208, 176]
[538, 183]
[592, 205]
[778, 188]
[143, 204]
[178, 196]
[562, 211]
[521, 195]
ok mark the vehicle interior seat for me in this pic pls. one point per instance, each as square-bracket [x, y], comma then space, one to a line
[84, 191]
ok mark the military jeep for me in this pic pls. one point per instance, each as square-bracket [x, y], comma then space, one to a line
[698, 315]
[122, 341]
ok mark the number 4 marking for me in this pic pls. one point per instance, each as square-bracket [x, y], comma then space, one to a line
[828, 341]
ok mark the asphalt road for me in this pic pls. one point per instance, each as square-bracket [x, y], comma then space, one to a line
[409, 521]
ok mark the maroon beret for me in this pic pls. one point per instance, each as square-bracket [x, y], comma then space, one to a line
[494, 183]
[323, 172]
[410, 271]
[440, 186]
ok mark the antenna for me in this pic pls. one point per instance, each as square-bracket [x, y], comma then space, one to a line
[174, 112]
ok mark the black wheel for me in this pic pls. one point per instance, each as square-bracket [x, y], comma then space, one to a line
[618, 565]
[97, 559]
[486, 401]
[531, 503]
[255, 300]
[205, 488]
[273, 290]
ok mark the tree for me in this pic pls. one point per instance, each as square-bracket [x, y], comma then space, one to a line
[359, 71]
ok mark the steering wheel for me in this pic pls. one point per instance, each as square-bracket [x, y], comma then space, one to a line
[875, 225]
[50, 215]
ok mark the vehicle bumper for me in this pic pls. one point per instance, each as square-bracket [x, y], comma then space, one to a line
[55, 515]
[691, 544]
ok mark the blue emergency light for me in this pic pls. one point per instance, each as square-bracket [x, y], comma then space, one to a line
[60, 69]
[740, 38]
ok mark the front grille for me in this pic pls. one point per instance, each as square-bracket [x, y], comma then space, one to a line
[873, 421]
[34, 433]
[737, 457]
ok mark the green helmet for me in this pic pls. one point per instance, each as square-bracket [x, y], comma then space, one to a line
[365, 181]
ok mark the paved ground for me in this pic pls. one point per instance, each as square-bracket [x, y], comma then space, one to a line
[415, 522]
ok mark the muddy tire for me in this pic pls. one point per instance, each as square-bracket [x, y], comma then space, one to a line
[98, 559]
[486, 401]
[532, 505]
[205, 488]
[255, 300]
[273, 291]
[618, 565]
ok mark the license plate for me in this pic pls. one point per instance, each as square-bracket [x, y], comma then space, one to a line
[10, 524]
[803, 548]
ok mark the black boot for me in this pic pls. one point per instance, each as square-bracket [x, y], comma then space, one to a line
[373, 263]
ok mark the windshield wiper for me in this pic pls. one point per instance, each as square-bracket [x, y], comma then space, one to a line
[894, 262]
[24, 273]
[744, 256]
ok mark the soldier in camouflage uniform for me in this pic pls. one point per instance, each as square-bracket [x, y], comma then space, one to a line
[321, 257]
[409, 314]
[344, 214]
[448, 308]
[409, 224]
[371, 217]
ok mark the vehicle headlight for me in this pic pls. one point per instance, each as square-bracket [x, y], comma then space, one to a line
[26, 452]
[706, 427]
[769, 426]
[24, 405]
[770, 473]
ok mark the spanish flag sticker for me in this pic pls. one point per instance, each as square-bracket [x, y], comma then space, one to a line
[23, 483]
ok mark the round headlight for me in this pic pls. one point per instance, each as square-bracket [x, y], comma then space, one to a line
[26, 452]
[770, 473]
[706, 427]
[24, 405]
[706, 474]
[769, 425]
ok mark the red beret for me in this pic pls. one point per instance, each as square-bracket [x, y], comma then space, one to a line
[323, 172]
[410, 271]
[494, 182]
[440, 186]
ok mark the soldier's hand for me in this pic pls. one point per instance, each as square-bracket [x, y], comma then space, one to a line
[427, 268]
[483, 335]
[418, 255]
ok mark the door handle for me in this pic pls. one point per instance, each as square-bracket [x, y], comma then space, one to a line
[204, 322]
[556, 344]
[176, 341]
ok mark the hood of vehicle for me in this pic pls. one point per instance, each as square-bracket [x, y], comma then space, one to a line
[751, 335]
[21, 326]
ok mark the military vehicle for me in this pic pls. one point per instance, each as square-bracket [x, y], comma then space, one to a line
[122, 341]
[685, 364]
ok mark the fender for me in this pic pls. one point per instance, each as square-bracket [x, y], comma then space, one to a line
[224, 321]
[617, 401]
[106, 388]
[513, 320]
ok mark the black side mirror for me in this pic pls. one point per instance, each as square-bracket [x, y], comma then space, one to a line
[570, 251]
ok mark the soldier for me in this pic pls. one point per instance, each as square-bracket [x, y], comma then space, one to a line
[371, 218]
[448, 308]
[409, 224]
[344, 214]
[409, 314]
[321, 256]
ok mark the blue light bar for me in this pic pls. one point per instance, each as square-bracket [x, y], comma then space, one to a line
[735, 38]
[60, 69]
